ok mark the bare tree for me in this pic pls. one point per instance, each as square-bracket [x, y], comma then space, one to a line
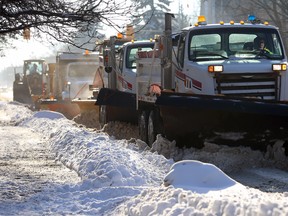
[64, 20]
[276, 13]
[150, 21]
[273, 11]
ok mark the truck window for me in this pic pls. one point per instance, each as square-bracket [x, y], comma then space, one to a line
[208, 42]
[33, 67]
[120, 61]
[131, 54]
[276, 45]
[207, 46]
[247, 45]
[234, 43]
[238, 42]
[181, 50]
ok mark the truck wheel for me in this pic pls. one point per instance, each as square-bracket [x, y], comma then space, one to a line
[102, 116]
[143, 123]
[151, 129]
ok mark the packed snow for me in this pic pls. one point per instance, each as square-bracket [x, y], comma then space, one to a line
[126, 177]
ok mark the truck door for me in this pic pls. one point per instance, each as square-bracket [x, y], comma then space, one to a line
[180, 63]
[119, 70]
[181, 51]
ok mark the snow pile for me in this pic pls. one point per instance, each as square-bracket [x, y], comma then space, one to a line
[213, 179]
[99, 159]
[49, 114]
[121, 130]
[13, 113]
[171, 201]
[89, 119]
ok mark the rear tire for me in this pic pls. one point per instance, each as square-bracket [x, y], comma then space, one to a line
[151, 129]
[143, 124]
[102, 116]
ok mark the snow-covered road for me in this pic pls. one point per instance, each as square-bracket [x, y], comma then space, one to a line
[27, 165]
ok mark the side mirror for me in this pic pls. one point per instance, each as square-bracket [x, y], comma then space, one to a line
[108, 69]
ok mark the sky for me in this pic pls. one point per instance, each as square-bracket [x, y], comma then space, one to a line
[126, 177]
[28, 49]
[25, 49]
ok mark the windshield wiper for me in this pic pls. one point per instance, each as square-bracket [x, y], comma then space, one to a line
[203, 56]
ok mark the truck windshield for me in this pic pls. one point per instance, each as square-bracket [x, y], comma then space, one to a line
[82, 71]
[33, 67]
[243, 43]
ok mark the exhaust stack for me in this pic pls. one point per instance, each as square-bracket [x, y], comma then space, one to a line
[166, 54]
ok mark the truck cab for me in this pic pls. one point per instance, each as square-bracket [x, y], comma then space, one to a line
[126, 64]
[118, 101]
[227, 59]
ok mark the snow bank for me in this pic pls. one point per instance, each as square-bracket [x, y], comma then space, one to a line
[13, 113]
[99, 159]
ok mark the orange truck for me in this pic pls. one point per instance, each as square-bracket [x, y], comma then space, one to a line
[30, 85]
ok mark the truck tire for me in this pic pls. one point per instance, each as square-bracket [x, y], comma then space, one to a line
[151, 129]
[102, 116]
[143, 124]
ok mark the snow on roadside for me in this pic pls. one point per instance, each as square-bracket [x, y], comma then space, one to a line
[124, 175]
[16, 114]
[170, 201]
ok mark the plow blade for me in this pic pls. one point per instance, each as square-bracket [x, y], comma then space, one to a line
[68, 109]
[89, 113]
[21, 93]
[85, 105]
[187, 115]
[120, 106]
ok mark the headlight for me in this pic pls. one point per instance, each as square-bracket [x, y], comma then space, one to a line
[279, 67]
[215, 68]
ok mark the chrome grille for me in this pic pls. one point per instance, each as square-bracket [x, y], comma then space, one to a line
[250, 85]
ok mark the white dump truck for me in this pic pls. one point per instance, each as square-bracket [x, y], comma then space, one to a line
[71, 78]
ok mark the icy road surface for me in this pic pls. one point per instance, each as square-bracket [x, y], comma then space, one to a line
[27, 165]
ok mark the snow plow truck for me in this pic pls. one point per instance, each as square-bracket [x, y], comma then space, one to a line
[78, 77]
[71, 80]
[120, 92]
[225, 82]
